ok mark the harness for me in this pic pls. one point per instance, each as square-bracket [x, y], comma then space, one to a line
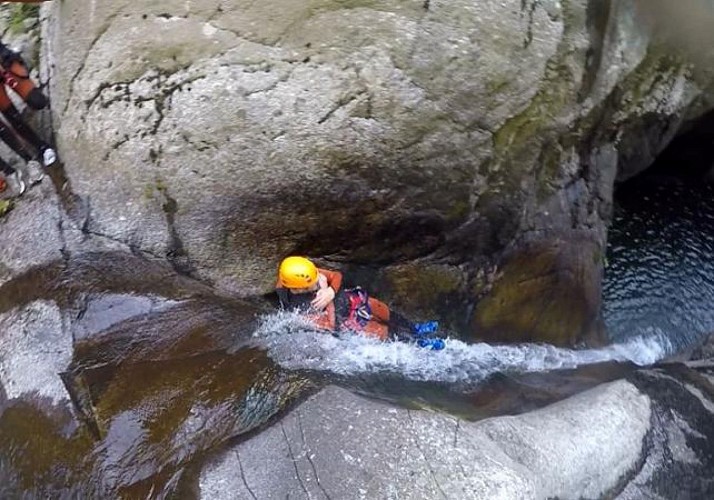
[9, 78]
[359, 312]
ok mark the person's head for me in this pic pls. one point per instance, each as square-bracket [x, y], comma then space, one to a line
[298, 274]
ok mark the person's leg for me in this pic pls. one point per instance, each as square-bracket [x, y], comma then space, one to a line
[6, 168]
[15, 119]
[12, 178]
[398, 325]
[7, 135]
[380, 310]
[44, 152]
[9, 138]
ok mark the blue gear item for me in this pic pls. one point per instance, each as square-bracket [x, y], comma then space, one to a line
[433, 344]
[424, 329]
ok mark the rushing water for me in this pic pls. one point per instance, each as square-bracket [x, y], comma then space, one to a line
[658, 293]
[659, 279]
[295, 345]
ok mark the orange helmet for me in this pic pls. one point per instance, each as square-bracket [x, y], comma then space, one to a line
[297, 272]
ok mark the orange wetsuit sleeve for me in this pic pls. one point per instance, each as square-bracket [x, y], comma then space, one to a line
[334, 278]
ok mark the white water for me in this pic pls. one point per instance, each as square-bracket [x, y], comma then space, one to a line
[292, 343]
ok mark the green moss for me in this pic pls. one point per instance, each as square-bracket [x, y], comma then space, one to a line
[516, 140]
[355, 4]
[161, 186]
[494, 87]
[459, 209]
[548, 168]
[598, 256]
[19, 12]
[335, 5]
[420, 288]
[657, 65]
[625, 101]
[548, 292]
[149, 192]
[6, 206]
[554, 94]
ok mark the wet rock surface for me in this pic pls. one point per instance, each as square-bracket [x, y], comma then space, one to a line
[536, 299]
[21, 248]
[647, 437]
[438, 134]
[677, 458]
[115, 372]
[119, 377]
[321, 451]
[705, 351]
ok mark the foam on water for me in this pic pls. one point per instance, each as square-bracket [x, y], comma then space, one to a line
[294, 344]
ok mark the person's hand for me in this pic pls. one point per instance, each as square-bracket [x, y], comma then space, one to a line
[323, 297]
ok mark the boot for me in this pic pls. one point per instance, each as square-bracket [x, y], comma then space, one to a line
[432, 344]
[49, 156]
[422, 330]
[35, 172]
[16, 184]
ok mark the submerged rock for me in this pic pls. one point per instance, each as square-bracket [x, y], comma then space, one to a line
[705, 351]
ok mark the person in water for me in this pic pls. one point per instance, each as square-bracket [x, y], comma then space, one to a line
[318, 294]
[15, 75]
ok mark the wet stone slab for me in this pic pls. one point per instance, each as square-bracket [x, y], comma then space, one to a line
[338, 445]
[30, 233]
[34, 348]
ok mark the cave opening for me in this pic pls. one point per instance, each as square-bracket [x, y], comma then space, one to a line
[690, 155]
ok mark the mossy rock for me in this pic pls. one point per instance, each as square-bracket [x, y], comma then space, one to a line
[549, 291]
[19, 14]
[6, 206]
[425, 291]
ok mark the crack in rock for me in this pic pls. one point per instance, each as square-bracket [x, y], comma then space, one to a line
[242, 475]
[73, 79]
[531, 12]
[424, 456]
[293, 460]
[309, 459]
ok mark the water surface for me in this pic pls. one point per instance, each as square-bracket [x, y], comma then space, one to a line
[659, 279]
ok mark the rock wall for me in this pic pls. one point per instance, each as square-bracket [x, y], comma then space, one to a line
[434, 139]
